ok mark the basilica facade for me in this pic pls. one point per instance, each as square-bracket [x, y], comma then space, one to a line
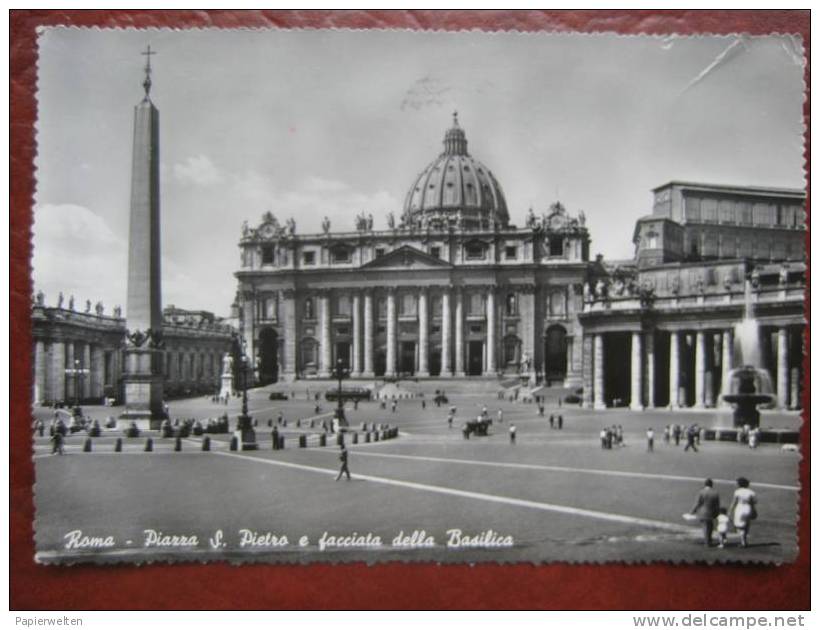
[449, 289]
[452, 290]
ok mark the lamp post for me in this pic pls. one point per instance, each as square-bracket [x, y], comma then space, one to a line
[340, 372]
[245, 435]
[76, 382]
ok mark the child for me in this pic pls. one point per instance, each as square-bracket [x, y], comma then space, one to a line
[722, 526]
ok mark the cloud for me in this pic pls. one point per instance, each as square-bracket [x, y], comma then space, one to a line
[425, 92]
[76, 252]
[198, 170]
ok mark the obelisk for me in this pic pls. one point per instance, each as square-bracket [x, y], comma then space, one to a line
[144, 354]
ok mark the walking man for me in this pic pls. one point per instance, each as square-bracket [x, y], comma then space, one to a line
[691, 433]
[560, 422]
[450, 420]
[707, 507]
[512, 434]
[552, 421]
[650, 439]
[344, 470]
[500, 416]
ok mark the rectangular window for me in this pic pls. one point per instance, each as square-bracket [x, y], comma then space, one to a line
[762, 214]
[379, 252]
[435, 329]
[556, 243]
[708, 210]
[408, 305]
[692, 208]
[475, 304]
[511, 252]
[727, 211]
[343, 306]
[744, 213]
[267, 255]
[435, 252]
[475, 251]
[309, 258]
[341, 255]
[381, 308]
[476, 329]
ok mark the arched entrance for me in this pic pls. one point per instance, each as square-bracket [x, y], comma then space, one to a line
[268, 356]
[555, 354]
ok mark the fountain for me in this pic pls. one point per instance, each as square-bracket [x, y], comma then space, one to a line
[750, 384]
[747, 385]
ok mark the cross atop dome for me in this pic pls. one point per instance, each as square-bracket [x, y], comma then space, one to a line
[455, 119]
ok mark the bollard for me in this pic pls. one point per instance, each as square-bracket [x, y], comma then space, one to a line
[340, 439]
[322, 439]
[206, 443]
[299, 423]
[364, 426]
[255, 422]
[384, 435]
[303, 441]
[281, 442]
[270, 422]
[355, 438]
[312, 424]
[118, 446]
[375, 436]
[284, 423]
[234, 443]
[367, 437]
[149, 445]
[87, 445]
[178, 444]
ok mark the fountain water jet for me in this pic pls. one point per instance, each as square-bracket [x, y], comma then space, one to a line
[749, 385]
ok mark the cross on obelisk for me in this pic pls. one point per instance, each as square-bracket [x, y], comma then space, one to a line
[144, 353]
[147, 82]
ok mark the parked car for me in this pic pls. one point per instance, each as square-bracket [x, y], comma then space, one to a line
[278, 396]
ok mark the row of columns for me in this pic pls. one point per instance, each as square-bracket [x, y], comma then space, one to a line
[642, 370]
[363, 335]
[66, 370]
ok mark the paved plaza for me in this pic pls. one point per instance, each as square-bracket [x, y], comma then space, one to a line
[555, 494]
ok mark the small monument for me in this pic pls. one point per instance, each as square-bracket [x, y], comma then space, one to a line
[227, 389]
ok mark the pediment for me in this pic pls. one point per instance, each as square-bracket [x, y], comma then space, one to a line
[406, 257]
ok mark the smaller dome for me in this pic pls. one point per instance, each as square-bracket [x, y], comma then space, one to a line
[456, 186]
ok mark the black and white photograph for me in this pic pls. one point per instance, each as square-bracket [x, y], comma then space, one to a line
[341, 296]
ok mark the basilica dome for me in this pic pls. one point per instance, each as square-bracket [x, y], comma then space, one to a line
[455, 190]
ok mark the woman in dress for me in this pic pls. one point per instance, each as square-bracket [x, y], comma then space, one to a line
[743, 509]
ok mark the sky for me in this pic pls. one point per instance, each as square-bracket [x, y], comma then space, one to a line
[314, 123]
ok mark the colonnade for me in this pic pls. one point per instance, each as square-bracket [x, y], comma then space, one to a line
[363, 323]
[68, 370]
[643, 369]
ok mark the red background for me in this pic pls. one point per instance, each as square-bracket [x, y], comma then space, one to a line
[356, 586]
